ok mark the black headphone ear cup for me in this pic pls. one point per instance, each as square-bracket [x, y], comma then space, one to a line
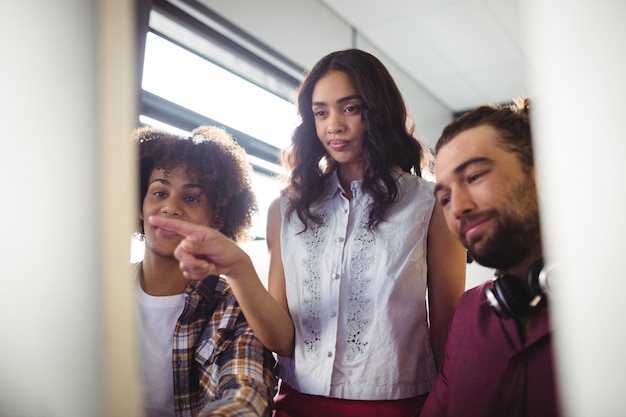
[533, 277]
[508, 297]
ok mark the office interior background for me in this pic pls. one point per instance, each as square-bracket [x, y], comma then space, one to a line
[75, 82]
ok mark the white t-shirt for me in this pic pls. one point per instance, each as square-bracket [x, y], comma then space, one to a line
[358, 297]
[157, 321]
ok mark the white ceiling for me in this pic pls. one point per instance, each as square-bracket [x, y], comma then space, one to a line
[465, 52]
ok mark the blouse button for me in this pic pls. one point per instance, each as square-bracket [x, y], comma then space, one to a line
[330, 354]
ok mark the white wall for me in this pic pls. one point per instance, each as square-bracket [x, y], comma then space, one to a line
[58, 340]
[306, 30]
[577, 61]
[477, 274]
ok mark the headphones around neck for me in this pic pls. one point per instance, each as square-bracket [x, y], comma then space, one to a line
[511, 297]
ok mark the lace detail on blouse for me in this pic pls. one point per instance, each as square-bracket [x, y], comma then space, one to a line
[359, 308]
[312, 292]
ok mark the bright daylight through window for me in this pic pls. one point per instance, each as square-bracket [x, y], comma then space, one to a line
[192, 82]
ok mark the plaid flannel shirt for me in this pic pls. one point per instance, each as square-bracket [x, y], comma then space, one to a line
[220, 367]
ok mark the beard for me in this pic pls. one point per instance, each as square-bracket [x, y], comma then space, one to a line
[516, 232]
[510, 242]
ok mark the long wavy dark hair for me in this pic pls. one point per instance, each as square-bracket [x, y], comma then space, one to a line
[388, 143]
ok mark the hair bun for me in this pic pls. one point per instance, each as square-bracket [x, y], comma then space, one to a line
[521, 106]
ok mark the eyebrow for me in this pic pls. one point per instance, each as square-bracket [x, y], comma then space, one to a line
[166, 182]
[339, 101]
[462, 167]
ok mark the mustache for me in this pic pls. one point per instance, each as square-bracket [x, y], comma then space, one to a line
[470, 218]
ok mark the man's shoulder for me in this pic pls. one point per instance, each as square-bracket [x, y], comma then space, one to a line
[474, 295]
[473, 306]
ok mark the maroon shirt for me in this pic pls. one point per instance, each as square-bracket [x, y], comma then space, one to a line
[488, 371]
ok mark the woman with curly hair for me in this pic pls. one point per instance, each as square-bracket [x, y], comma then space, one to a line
[198, 353]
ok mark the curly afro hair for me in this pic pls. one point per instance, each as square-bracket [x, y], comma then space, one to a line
[215, 160]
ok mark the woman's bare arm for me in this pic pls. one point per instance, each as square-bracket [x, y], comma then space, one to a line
[206, 251]
[446, 279]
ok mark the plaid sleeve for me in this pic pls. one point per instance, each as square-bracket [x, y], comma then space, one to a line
[238, 373]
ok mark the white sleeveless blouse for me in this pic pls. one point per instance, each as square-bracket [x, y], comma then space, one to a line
[358, 297]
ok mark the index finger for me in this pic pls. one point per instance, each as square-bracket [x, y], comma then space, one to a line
[183, 228]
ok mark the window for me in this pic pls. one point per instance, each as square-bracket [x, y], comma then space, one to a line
[200, 69]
